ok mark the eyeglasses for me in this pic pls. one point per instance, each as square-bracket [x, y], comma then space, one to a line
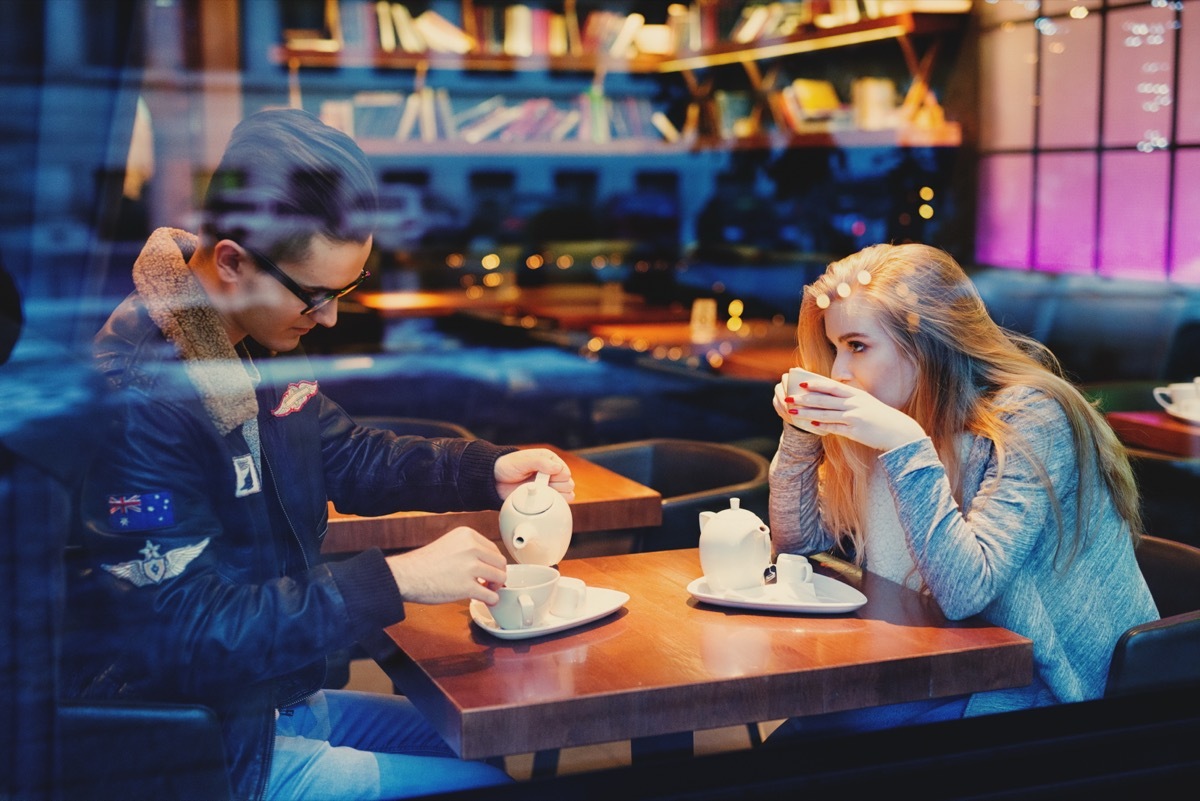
[312, 300]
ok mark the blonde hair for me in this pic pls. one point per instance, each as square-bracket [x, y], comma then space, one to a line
[931, 310]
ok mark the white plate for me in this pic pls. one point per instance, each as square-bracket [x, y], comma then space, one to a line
[600, 602]
[833, 597]
[1187, 418]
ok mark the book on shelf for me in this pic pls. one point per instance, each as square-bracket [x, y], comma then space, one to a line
[408, 36]
[408, 119]
[518, 30]
[386, 26]
[377, 114]
[442, 35]
[662, 123]
[626, 34]
[338, 113]
[469, 115]
[490, 123]
[427, 119]
[445, 113]
[565, 125]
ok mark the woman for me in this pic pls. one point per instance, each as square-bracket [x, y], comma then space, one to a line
[954, 457]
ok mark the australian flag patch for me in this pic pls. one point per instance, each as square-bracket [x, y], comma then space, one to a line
[141, 511]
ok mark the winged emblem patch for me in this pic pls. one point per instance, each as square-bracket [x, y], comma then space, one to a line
[297, 394]
[155, 568]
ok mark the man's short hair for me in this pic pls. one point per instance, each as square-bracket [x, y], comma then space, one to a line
[286, 176]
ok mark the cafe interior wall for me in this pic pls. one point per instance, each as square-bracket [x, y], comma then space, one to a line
[1061, 184]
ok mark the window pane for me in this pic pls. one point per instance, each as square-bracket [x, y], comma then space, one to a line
[1140, 56]
[1002, 224]
[1133, 214]
[1006, 65]
[1070, 90]
[1187, 217]
[1066, 212]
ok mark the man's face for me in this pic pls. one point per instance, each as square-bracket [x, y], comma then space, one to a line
[273, 315]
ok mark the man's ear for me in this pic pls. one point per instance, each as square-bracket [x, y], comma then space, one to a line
[231, 261]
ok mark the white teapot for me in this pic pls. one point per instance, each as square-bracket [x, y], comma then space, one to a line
[735, 548]
[536, 523]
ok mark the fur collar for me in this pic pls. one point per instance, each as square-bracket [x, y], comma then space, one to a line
[181, 309]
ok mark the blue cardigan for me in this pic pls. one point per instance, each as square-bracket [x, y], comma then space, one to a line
[995, 556]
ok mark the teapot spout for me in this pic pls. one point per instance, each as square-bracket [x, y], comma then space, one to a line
[705, 517]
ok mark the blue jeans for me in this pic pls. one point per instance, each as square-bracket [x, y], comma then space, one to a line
[872, 718]
[352, 745]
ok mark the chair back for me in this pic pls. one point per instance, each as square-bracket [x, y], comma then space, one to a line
[692, 476]
[1172, 571]
[1164, 653]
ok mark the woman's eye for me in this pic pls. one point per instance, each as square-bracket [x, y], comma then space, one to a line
[856, 347]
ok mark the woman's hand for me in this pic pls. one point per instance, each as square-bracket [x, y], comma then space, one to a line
[519, 467]
[831, 407]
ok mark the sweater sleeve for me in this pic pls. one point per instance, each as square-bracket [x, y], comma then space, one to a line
[796, 525]
[969, 557]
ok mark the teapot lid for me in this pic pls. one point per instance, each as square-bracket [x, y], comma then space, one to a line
[736, 512]
[534, 497]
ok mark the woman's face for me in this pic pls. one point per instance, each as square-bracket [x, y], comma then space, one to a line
[864, 356]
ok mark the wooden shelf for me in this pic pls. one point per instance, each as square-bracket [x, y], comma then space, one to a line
[378, 59]
[868, 30]
[453, 147]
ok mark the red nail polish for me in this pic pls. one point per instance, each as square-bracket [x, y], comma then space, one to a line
[789, 400]
[816, 422]
[804, 384]
[793, 411]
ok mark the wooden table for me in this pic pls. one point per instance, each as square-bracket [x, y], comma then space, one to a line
[759, 362]
[573, 306]
[1156, 433]
[666, 663]
[604, 501]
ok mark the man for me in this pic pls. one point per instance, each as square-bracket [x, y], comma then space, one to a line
[204, 518]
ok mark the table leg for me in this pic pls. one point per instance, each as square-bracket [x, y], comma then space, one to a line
[660, 746]
[545, 763]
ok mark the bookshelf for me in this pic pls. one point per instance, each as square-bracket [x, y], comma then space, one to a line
[704, 37]
[683, 120]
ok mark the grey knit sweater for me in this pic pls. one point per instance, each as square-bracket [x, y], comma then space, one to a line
[995, 557]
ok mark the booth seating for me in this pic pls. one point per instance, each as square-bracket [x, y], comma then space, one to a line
[692, 476]
[1101, 329]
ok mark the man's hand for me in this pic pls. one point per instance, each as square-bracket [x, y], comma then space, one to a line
[460, 564]
[519, 467]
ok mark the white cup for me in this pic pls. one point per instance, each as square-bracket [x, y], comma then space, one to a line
[1182, 398]
[570, 598]
[794, 573]
[795, 377]
[525, 597]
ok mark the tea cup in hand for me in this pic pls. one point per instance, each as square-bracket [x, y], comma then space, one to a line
[525, 597]
[795, 377]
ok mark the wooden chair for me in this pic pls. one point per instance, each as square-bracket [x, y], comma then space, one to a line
[1163, 653]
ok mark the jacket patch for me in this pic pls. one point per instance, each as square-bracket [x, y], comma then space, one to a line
[141, 511]
[297, 394]
[155, 568]
[246, 476]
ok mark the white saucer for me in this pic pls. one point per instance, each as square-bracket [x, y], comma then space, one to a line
[833, 597]
[600, 602]
[1178, 415]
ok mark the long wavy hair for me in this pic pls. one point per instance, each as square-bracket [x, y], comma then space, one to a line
[932, 311]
